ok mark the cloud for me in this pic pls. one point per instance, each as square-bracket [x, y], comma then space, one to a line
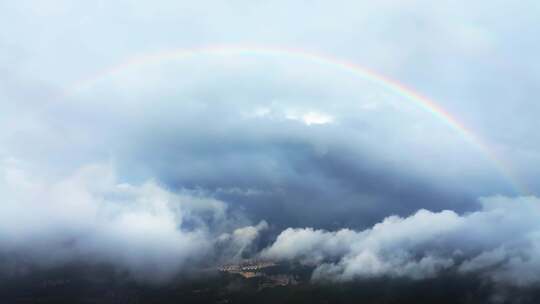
[500, 241]
[222, 125]
[354, 152]
[311, 118]
[90, 217]
[240, 242]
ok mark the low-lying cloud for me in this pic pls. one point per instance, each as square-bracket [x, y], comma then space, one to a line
[89, 216]
[501, 241]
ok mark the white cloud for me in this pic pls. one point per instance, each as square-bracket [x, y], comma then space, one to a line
[240, 241]
[89, 216]
[310, 118]
[502, 241]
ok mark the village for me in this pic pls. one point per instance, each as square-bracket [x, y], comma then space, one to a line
[254, 268]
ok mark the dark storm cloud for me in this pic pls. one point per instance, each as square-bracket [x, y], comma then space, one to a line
[245, 132]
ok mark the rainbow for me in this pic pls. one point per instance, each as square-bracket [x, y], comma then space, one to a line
[353, 69]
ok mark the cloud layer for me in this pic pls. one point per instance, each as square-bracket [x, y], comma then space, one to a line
[255, 132]
[501, 241]
[90, 217]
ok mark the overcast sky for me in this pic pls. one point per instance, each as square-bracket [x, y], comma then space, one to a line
[211, 149]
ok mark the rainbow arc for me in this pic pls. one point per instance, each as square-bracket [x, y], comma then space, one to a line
[354, 69]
